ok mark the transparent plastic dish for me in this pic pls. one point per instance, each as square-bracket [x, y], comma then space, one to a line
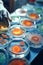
[35, 40]
[4, 39]
[18, 48]
[27, 24]
[17, 31]
[21, 12]
[18, 61]
[34, 16]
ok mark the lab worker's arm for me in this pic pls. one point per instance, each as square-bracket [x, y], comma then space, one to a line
[4, 10]
[1, 1]
[1, 4]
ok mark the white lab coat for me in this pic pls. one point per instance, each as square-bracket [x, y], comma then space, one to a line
[1, 1]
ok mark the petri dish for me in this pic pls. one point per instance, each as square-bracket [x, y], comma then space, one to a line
[18, 48]
[21, 12]
[17, 31]
[34, 16]
[27, 24]
[3, 28]
[18, 61]
[4, 39]
[35, 40]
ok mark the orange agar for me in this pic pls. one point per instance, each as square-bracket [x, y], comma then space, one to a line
[27, 23]
[33, 16]
[35, 39]
[15, 49]
[17, 31]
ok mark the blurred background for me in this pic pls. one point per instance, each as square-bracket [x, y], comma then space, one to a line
[11, 5]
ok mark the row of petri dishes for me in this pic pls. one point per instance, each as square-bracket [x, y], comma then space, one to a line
[20, 37]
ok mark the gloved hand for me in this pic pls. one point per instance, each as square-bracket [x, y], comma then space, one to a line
[4, 12]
